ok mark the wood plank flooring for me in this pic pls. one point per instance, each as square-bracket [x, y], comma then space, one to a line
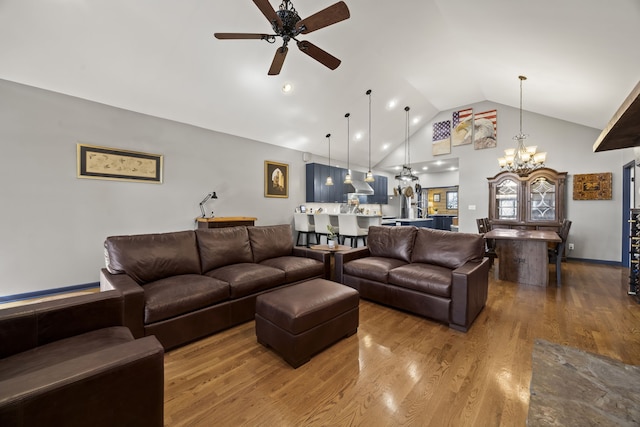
[402, 370]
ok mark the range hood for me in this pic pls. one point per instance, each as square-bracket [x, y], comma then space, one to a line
[360, 187]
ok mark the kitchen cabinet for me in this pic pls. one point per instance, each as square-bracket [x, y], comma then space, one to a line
[534, 202]
[442, 222]
[318, 192]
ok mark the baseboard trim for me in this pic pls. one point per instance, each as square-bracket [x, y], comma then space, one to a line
[48, 292]
[596, 261]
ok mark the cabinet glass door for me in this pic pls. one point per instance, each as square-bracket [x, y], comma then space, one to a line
[507, 200]
[543, 200]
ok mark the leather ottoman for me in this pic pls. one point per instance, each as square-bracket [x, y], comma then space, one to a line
[301, 320]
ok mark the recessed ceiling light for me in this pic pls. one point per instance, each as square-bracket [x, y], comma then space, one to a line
[424, 168]
[385, 147]
[358, 136]
[287, 88]
[392, 104]
[439, 162]
[398, 168]
[416, 120]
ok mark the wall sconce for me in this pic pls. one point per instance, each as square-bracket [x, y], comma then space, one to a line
[211, 195]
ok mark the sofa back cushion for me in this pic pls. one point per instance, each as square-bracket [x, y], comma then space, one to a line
[446, 248]
[223, 246]
[391, 242]
[150, 257]
[270, 241]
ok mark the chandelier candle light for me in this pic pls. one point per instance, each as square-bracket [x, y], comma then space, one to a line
[522, 159]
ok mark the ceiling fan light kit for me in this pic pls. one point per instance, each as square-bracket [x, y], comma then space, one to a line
[287, 24]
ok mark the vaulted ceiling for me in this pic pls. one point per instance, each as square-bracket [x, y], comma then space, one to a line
[159, 57]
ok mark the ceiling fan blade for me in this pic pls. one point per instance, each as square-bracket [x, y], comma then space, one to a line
[239, 36]
[319, 55]
[278, 60]
[269, 13]
[332, 14]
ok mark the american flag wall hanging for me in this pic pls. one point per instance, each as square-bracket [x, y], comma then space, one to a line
[485, 130]
[441, 138]
[462, 132]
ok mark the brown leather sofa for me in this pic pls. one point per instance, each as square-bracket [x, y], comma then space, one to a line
[70, 362]
[432, 273]
[181, 286]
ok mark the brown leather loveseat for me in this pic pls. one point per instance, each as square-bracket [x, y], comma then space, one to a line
[433, 273]
[183, 285]
[70, 362]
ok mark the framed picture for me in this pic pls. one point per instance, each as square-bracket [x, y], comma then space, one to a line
[452, 200]
[276, 179]
[115, 164]
[592, 186]
[436, 197]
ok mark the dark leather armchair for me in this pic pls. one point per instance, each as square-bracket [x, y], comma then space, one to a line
[557, 253]
[70, 362]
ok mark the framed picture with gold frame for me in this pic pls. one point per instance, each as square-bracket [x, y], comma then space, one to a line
[121, 165]
[276, 179]
[592, 186]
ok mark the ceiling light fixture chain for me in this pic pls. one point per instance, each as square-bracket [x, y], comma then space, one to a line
[347, 178]
[522, 159]
[369, 177]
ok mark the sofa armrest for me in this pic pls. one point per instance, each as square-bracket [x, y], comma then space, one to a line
[133, 295]
[322, 256]
[31, 325]
[344, 257]
[117, 386]
[470, 286]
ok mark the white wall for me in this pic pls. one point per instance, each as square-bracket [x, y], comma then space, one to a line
[597, 225]
[53, 224]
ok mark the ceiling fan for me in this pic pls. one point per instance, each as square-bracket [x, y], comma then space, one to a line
[286, 23]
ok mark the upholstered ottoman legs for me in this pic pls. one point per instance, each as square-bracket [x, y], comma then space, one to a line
[301, 320]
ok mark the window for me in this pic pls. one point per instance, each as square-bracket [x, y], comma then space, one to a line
[452, 200]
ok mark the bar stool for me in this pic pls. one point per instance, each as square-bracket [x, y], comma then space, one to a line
[303, 225]
[322, 221]
[349, 228]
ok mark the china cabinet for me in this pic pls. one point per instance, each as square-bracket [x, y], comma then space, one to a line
[534, 202]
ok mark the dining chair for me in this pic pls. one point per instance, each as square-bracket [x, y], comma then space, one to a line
[303, 224]
[484, 226]
[557, 253]
[349, 228]
[322, 221]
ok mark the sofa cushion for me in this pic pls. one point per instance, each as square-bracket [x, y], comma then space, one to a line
[296, 268]
[425, 278]
[270, 241]
[372, 268]
[62, 350]
[246, 279]
[150, 257]
[182, 294]
[447, 249]
[223, 246]
[391, 242]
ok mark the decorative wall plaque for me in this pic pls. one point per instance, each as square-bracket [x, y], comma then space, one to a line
[592, 186]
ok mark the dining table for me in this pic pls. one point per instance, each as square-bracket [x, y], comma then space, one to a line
[523, 254]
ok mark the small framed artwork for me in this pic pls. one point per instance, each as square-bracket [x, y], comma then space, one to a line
[436, 197]
[276, 179]
[95, 162]
[592, 186]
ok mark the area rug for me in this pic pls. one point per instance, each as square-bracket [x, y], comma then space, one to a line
[571, 387]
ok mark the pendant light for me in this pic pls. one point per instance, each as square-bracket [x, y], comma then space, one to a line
[347, 179]
[406, 176]
[329, 179]
[369, 177]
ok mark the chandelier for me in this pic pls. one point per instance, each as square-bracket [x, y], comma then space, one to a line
[522, 159]
[407, 173]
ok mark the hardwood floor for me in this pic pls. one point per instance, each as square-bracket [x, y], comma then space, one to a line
[400, 369]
